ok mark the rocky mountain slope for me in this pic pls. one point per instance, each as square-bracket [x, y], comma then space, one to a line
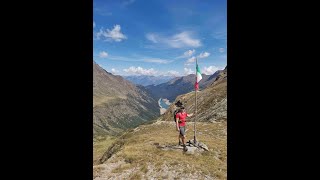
[179, 85]
[212, 101]
[119, 104]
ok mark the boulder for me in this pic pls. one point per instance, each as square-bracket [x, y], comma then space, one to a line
[191, 150]
[205, 147]
[198, 144]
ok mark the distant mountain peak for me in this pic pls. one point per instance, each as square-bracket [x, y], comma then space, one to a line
[179, 85]
[146, 80]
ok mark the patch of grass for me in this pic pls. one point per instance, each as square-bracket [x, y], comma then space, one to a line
[185, 170]
[206, 172]
[100, 146]
[129, 159]
[207, 153]
[165, 176]
[139, 149]
[174, 163]
[97, 170]
[158, 165]
[135, 176]
[99, 100]
[144, 169]
[121, 168]
[113, 149]
[220, 175]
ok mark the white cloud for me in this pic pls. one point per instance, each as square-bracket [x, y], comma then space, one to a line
[183, 39]
[114, 70]
[172, 73]
[189, 53]
[94, 24]
[112, 35]
[188, 71]
[103, 54]
[221, 50]
[180, 40]
[152, 37]
[204, 55]
[139, 71]
[154, 60]
[99, 34]
[210, 70]
[191, 60]
[101, 11]
[121, 58]
[138, 58]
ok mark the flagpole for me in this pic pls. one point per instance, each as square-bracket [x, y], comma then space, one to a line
[194, 124]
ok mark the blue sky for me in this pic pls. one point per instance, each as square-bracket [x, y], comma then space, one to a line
[160, 37]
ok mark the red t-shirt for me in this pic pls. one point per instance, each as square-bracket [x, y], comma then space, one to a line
[182, 117]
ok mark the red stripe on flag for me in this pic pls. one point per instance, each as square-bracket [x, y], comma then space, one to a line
[196, 86]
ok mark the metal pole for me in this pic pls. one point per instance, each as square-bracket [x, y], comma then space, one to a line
[194, 125]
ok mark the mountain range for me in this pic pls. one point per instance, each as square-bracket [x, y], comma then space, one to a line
[148, 80]
[180, 85]
[118, 104]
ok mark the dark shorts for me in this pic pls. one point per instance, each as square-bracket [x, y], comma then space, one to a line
[182, 130]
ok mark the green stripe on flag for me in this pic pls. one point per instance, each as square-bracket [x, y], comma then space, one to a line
[198, 69]
[198, 74]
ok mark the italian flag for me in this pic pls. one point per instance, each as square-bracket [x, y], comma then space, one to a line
[198, 76]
